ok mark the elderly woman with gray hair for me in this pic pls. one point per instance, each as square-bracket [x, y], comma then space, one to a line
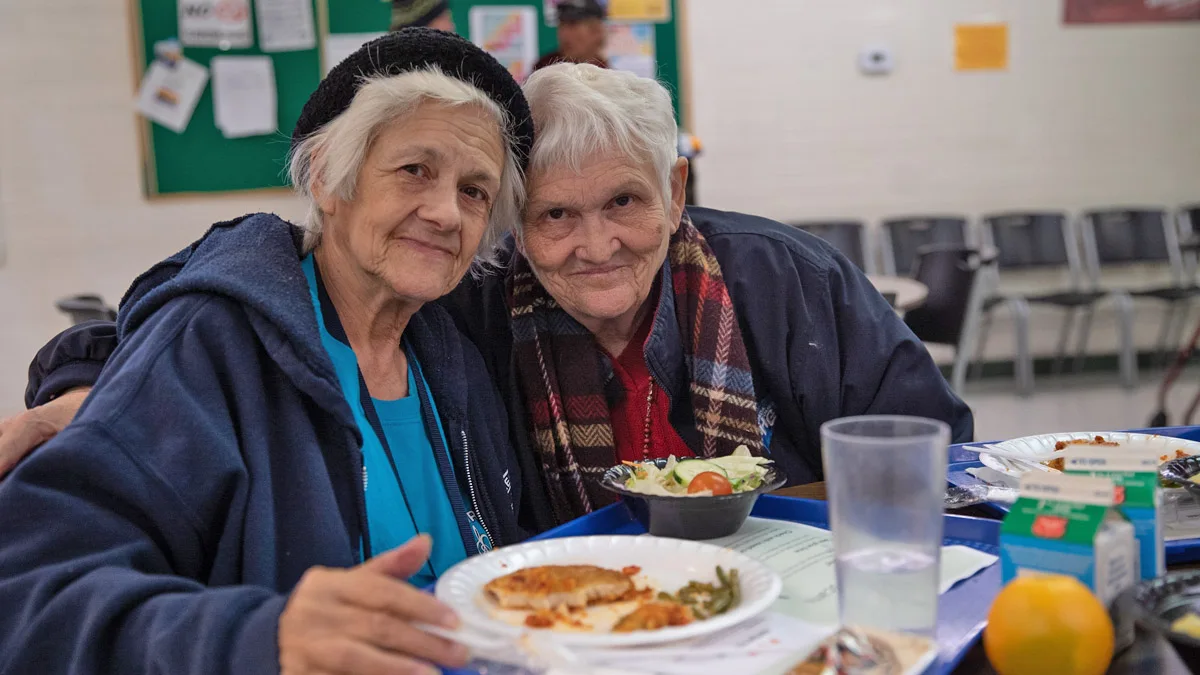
[621, 326]
[244, 489]
[629, 327]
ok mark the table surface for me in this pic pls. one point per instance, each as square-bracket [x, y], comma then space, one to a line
[910, 293]
[1150, 655]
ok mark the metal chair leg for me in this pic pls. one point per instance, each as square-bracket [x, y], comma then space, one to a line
[1023, 368]
[1085, 331]
[985, 329]
[1183, 314]
[1128, 356]
[1164, 334]
[1064, 338]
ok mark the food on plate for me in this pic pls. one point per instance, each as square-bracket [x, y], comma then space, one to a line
[1069, 617]
[1059, 463]
[1188, 624]
[707, 600]
[711, 482]
[548, 618]
[552, 586]
[655, 615]
[739, 472]
[590, 598]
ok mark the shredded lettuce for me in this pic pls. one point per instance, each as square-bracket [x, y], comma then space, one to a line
[744, 472]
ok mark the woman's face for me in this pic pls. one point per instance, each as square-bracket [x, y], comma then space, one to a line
[596, 239]
[422, 200]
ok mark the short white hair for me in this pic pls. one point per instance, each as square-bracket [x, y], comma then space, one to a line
[580, 110]
[333, 155]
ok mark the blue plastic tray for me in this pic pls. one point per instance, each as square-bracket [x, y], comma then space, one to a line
[962, 611]
[1182, 551]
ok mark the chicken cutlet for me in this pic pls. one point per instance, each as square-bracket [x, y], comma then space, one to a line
[551, 586]
[655, 615]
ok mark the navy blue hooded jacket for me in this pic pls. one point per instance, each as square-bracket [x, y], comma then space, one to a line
[821, 340]
[215, 461]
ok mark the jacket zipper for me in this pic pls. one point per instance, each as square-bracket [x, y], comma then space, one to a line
[471, 487]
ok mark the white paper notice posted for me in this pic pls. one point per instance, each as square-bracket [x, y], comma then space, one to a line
[215, 23]
[509, 33]
[631, 47]
[244, 101]
[340, 45]
[170, 91]
[285, 25]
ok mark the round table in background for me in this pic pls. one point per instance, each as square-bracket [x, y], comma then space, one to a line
[909, 293]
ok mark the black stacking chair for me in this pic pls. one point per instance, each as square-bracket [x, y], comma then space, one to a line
[903, 237]
[1040, 241]
[950, 313]
[83, 308]
[848, 236]
[1113, 238]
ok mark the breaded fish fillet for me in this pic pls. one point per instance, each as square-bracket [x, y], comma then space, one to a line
[655, 615]
[551, 586]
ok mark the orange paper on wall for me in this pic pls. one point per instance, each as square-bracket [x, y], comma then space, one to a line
[656, 11]
[981, 46]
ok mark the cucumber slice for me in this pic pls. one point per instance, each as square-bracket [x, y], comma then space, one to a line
[688, 469]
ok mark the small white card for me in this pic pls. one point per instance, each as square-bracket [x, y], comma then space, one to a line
[170, 91]
[285, 25]
[244, 101]
[224, 24]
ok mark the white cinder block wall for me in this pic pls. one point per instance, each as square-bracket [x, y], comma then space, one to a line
[73, 214]
[1084, 116]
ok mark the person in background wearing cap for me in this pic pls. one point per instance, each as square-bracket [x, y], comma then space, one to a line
[230, 498]
[433, 14]
[581, 34]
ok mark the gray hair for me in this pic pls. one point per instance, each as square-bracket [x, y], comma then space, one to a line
[334, 154]
[580, 109]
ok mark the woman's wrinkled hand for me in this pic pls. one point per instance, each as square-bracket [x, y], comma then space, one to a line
[21, 433]
[361, 620]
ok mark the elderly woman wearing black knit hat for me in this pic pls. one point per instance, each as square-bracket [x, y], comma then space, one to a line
[243, 489]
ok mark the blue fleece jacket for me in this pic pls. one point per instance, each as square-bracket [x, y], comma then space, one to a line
[214, 463]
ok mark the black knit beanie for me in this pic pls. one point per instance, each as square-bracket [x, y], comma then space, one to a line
[411, 49]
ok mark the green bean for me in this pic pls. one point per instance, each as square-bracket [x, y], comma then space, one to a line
[721, 603]
[721, 576]
[735, 589]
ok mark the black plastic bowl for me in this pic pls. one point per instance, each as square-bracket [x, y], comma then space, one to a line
[1159, 602]
[684, 516]
[1179, 471]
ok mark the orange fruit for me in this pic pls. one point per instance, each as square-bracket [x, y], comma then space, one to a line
[1048, 625]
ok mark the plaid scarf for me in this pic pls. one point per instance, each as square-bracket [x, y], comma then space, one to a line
[562, 375]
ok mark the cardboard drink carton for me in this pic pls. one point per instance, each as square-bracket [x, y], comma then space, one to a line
[1137, 495]
[1068, 524]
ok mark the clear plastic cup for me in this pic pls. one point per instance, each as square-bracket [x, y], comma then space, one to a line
[886, 478]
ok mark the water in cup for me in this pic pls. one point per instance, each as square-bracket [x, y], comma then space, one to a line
[886, 479]
[891, 589]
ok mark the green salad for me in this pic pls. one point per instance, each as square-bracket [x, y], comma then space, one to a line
[739, 472]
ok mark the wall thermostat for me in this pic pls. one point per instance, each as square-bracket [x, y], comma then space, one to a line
[876, 61]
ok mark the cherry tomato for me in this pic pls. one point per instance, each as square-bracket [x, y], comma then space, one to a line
[712, 481]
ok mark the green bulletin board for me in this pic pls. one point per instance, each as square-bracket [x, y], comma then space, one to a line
[359, 16]
[202, 160]
[666, 39]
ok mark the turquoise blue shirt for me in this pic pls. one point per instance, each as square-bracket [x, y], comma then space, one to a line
[411, 498]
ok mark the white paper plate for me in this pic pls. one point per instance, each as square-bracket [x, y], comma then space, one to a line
[666, 564]
[1040, 445]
